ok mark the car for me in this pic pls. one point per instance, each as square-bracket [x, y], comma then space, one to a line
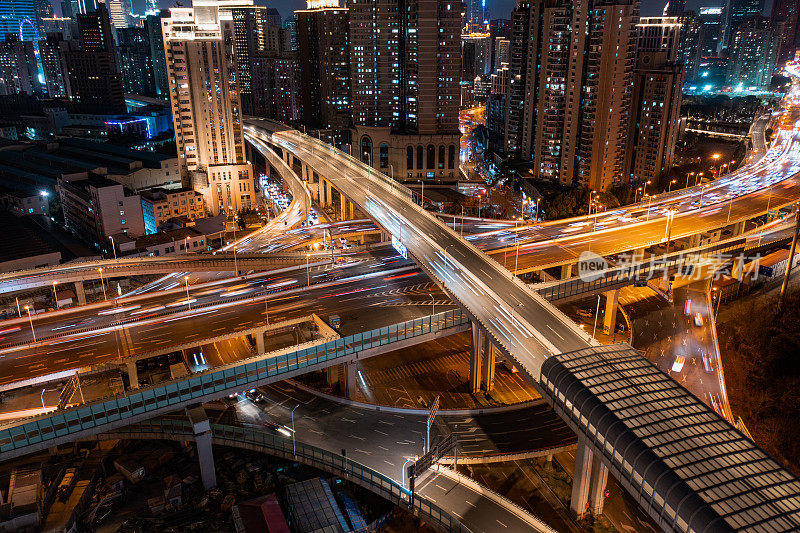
[677, 366]
[255, 396]
[698, 320]
[707, 362]
[585, 313]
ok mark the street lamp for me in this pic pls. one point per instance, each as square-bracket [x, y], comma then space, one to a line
[54, 293]
[308, 274]
[596, 314]
[671, 183]
[294, 444]
[687, 178]
[716, 157]
[113, 246]
[649, 201]
[103, 283]
[433, 305]
[30, 319]
[516, 257]
[536, 217]
[186, 279]
[591, 200]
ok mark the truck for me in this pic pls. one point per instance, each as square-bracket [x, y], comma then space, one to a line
[335, 321]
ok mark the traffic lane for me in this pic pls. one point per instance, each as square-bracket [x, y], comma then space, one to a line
[294, 278]
[362, 296]
[477, 512]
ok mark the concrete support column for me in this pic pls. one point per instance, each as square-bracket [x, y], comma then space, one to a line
[475, 359]
[202, 438]
[332, 374]
[80, 293]
[580, 480]
[351, 211]
[342, 207]
[328, 193]
[133, 374]
[349, 382]
[612, 299]
[487, 373]
[566, 271]
[259, 342]
[738, 229]
[597, 486]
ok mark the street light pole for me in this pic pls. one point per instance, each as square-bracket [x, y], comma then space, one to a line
[433, 305]
[113, 247]
[186, 279]
[103, 283]
[30, 319]
[55, 296]
[516, 258]
[294, 444]
[308, 274]
[596, 314]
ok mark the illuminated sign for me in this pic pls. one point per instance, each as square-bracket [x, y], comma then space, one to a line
[399, 247]
[711, 11]
[321, 4]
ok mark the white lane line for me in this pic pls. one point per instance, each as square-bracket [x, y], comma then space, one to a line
[499, 522]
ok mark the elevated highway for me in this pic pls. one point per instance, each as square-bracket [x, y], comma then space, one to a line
[674, 473]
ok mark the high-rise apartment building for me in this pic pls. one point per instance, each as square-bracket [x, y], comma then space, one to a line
[323, 52]
[571, 75]
[689, 44]
[787, 13]
[199, 46]
[18, 67]
[276, 86]
[94, 80]
[753, 54]
[135, 61]
[499, 35]
[152, 24]
[250, 39]
[120, 13]
[51, 54]
[475, 15]
[736, 12]
[405, 71]
[19, 16]
[656, 101]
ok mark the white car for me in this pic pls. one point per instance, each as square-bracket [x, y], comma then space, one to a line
[698, 320]
[677, 366]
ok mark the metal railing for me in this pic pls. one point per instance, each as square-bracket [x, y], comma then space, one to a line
[62, 426]
[311, 455]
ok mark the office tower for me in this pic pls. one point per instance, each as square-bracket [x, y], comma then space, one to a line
[19, 16]
[475, 56]
[475, 16]
[18, 67]
[120, 12]
[656, 100]
[674, 8]
[135, 64]
[496, 108]
[51, 54]
[323, 52]
[689, 44]
[273, 17]
[569, 99]
[276, 87]
[405, 72]
[44, 10]
[152, 24]
[67, 27]
[736, 12]
[499, 34]
[93, 77]
[201, 68]
[249, 26]
[787, 13]
[73, 8]
[151, 7]
[711, 26]
[753, 53]
[290, 25]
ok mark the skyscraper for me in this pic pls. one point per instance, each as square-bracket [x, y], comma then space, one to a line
[753, 53]
[736, 12]
[152, 24]
[711, 29]
[119, 12]
[405, 69]
[571, 75]
[656, 101]
[786, 12]
[135, 63]
[19, 16]
[689, 50]
[323, 51]
[51, 53]
[18, 67]
[93, 77]
[200, 57]
[249, 29]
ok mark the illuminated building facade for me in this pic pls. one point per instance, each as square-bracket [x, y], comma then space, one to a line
[204, 94]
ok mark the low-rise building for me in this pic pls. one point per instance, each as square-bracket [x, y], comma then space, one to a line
[24, 201]
[177, 241]
[96, 207]
[167, 204]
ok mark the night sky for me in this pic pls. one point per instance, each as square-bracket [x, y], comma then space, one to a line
[499, 8]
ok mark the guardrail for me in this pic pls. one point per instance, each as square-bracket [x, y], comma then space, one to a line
[336, 464]
[24, 436]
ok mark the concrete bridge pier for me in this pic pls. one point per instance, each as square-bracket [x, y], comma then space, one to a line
[328, 193]
[342, 207]
[566, 271]
[80, 293]
[475, 359]
[588, 482]
[133, 374]
[202, 438]
[349, 379]
[259, 336]
[612, 299]
[489, 358]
